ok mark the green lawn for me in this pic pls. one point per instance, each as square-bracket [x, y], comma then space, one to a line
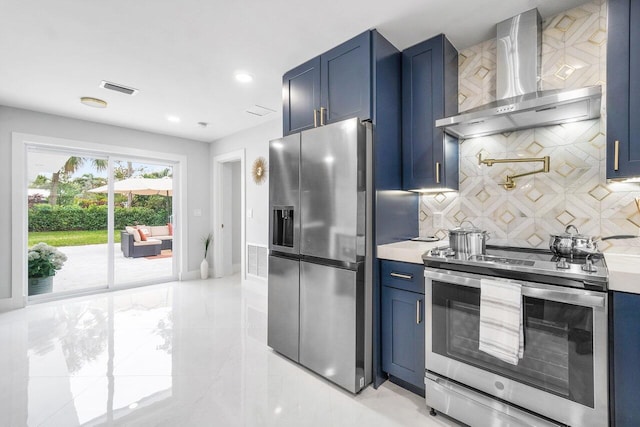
[71, 238]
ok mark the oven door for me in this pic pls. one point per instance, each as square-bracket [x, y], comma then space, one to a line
[563, 374]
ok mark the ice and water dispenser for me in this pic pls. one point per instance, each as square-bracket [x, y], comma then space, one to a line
[283, 226]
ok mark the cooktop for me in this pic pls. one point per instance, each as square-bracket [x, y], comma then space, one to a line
[537, 265]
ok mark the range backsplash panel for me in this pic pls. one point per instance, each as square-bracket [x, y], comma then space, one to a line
[575, 190]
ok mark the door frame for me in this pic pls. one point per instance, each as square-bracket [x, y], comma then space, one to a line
[217, 209]
[19, 213]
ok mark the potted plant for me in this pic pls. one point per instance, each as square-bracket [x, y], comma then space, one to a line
[204, 265]
[44, 260]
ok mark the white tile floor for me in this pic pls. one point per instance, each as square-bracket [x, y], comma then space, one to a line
[177, 354]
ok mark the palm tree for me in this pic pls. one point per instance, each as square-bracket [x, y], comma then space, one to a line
[70, 166]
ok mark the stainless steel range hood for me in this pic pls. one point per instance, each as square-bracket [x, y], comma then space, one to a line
[521, 104]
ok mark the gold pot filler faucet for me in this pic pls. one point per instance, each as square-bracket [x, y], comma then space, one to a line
[509, 183]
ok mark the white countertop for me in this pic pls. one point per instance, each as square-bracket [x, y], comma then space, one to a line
[407, 251]
[624, 270]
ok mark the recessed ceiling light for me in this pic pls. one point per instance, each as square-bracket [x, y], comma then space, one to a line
[244, 77]
[203, 124]
[173, 119]
[93, 102]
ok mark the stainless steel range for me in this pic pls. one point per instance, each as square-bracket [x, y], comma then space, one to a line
[561, 378]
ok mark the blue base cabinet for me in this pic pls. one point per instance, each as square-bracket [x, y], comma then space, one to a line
[329, 88]
[403, 325]
[623, 89]
[429, 92]
[625, 360]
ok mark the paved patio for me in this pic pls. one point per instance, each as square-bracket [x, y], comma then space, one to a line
[86, 267]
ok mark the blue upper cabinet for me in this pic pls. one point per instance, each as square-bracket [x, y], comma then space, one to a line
[623, 89]
[346, 80]
[329, 88]
[301, 93]
[429, 92]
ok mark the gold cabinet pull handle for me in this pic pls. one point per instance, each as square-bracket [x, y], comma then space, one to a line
[322, 113]
[616, 155]
[437, 172]
[315, 118]
[418, 317]
[402, 276]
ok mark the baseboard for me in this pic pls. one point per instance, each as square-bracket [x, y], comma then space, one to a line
[255, 278]
[9, 304]
[194, 275]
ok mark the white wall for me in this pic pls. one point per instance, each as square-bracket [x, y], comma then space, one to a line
[30, 122]
[255, 141]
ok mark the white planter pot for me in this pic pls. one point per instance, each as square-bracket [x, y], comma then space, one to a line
[204, 269]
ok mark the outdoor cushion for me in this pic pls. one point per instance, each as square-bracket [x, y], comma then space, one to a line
[149, 241]
[170, 227]
[130, 229]
[136, 235]
[145, 233]
[160, 230]
[162, 237]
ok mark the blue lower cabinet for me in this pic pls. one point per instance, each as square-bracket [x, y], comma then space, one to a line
[625, 359]
[403, 336]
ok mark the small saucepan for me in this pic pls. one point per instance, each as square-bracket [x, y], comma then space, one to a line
[576, 245]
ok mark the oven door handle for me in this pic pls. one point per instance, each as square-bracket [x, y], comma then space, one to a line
[535, 290]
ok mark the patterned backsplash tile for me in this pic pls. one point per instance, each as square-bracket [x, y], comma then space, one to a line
[575, 190]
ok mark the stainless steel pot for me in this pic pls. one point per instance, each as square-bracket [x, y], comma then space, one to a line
[576, 245]
[468, 240]
[458, 240]
[565, 243]
[477, 242]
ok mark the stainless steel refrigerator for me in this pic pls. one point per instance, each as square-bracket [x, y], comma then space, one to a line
[319, 303]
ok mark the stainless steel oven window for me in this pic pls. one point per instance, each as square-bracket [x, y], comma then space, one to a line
[559, 354]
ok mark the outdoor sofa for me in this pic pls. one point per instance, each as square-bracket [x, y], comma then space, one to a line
[156, 239]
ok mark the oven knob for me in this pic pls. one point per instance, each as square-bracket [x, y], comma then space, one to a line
[562, 263]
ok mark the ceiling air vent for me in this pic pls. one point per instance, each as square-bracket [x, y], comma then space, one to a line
[118, 88]
[258, 110]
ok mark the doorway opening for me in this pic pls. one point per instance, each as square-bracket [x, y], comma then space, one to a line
[229, 214]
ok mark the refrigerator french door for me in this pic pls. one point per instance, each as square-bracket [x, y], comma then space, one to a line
[332, 323]
[326, 218]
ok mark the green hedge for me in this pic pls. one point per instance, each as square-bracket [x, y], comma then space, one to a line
[68, 218]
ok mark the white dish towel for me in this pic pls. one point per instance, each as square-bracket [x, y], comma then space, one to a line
[501, 331]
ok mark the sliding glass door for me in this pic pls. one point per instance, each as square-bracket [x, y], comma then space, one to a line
[97, 221]
[67, 224]
[143, 221]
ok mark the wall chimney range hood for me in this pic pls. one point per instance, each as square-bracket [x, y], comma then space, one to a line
[521, 104]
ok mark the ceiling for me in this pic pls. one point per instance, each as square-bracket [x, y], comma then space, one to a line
[183, 56]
